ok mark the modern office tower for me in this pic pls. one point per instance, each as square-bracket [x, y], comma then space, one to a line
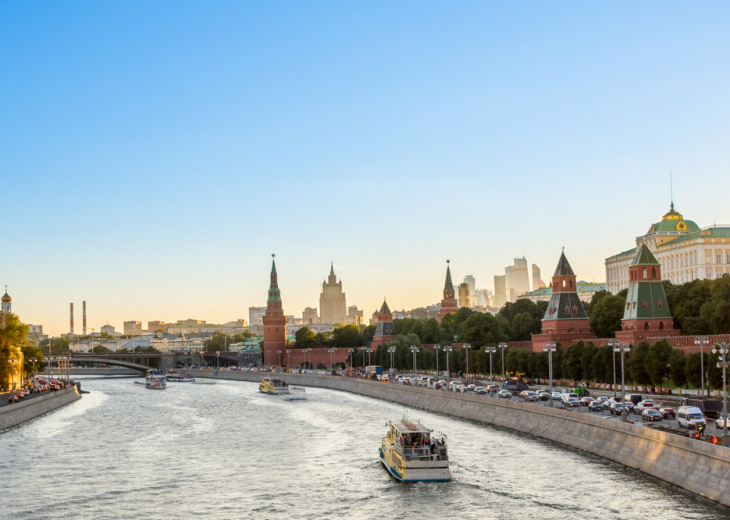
[500, 291]
[537, 282]
[332, 306]
[471, 281]
[464, 298]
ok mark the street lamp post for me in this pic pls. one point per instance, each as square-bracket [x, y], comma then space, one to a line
[436, 349]
[279, 352]
[550, 347]
[368, 350]
[467, 346]
[288, 351]
[623, 348]
[217, 358]
[722, 349]
[503, 346]
[391, 351]
[414, 349]
[613, 343]
[490, 349]
[332, 358]
[350, 351]
[447, 349]
[702, 341]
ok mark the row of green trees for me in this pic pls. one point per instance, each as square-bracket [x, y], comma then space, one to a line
[650, 364]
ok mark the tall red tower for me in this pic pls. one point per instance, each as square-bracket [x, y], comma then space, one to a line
[274, 321]
[449, 303]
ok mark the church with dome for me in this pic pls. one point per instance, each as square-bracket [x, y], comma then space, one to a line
[685, 252]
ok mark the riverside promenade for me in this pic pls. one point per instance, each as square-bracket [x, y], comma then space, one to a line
[15, 414]
[697, 467]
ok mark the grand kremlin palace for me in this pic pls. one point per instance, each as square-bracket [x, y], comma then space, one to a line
[685, 252]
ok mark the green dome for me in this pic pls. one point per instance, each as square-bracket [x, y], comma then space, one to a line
[673, 222]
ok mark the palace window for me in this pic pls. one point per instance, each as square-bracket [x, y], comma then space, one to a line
[653, 272]
[644, 273]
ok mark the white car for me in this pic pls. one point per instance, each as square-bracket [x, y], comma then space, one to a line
[557, 396]
[480, 390]
[720, 423]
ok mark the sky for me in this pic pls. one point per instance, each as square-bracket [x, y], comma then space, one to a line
[153, 155]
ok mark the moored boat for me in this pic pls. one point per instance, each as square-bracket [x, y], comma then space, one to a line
[174, 376]
[411, 453]
[273, 386]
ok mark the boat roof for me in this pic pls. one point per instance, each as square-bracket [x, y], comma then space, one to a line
[406, 426]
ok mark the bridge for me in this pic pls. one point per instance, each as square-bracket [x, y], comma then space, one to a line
[139, 362]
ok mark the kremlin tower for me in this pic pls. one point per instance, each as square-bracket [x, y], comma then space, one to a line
[385, 330]
[646, 315]
[274, 321]
[449, 303]
[565, 318]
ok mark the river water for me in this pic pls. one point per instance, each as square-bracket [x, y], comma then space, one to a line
[222, 450]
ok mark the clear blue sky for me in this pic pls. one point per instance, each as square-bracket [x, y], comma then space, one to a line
[154, 154]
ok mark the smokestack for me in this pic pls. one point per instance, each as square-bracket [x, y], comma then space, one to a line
[83, 305]
[71, 332]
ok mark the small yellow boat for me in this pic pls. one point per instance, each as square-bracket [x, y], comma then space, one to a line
[274, 386]
[411, 453]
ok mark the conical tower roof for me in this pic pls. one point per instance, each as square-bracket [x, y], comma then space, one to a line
[274, 292]
[644, 256]
[563, 268]
[384, 309]
[448, 286]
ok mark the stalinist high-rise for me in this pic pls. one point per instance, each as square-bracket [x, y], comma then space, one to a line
[332, 306]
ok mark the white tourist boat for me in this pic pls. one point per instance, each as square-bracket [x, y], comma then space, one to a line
[296, 393]
[155, 380]
[411, 453]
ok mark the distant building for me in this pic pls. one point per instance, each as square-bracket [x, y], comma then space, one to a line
[464, 297]
[256, 315]
[481, 298]
[354, 315]
[385, 330]
[309, 316]
[332, 306]
[585, 291]
[684, 251]
[154, 326]
[537, 282]
[471, 282]
[132, 328]
[500, 291]
[35, 332]
[109, 329]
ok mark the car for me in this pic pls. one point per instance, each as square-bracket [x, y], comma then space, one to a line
[471, 388]
[650, 414]
[480, 390]
[667, 413]
[567, 396]
[595, 406]
[585, 401]
[690, 417]
[492, 389]
[504, 394]
[601, 399]
[616, 408]
[607, 403]
[629, 406]
[557, 396]
[720, 423]
[643, 405]
[532, 397]
[543, 396]
[524, 394]
[572, 403]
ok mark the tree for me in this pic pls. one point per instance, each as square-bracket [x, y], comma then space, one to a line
[693, 371]
[304, 338]
[688, 301]
[599, 295]
[573, 362]
[481, 329]
[346, 336]
[638, 364]
[606, 315]
[678, 367]
[30, 352]
[657, 362]
[13, 334]
[716, 311]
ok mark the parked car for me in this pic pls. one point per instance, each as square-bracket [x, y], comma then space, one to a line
[667, 413]
[480, 390]
[629, 406]
[543, 396]
[616, 408]
[650, 414]
[595, 406]
[504, 394]
[492, 389]
[557, 396]
[572, 403]
[585, 401]
[565, 397]
[607, 404]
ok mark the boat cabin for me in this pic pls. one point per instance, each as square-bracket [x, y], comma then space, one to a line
[413, 441]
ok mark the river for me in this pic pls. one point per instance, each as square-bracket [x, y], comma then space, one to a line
[221, 450]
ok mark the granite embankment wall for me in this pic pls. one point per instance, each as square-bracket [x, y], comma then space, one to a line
[695, 466]
[17, 413]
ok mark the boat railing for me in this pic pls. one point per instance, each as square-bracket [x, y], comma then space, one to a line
[422, 452]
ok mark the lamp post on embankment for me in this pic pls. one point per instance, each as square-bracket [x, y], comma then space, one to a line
[503, 346]
[414, 349]
[436, 349]
[490, 349]
[550, 347]
[722, 349]
[447, 349]
[613, 343]
[623, 348]
[702, 341]
[391, 351]
[467, 347]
